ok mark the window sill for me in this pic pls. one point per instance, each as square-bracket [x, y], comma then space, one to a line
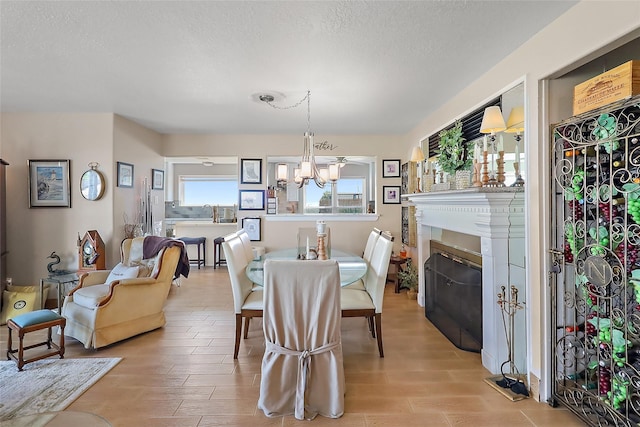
[324, 217]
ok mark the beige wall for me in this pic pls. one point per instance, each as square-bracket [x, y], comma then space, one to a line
[141, 147]
[570, 41]
[32, 234]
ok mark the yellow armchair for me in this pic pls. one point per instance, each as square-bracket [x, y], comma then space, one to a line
[101, 311]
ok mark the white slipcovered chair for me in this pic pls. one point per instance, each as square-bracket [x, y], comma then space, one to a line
[247, 300]
[302, 367]
[111, 305]
[366, 255]
[368, 302]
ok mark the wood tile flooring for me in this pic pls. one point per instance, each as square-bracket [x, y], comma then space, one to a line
[184, 374]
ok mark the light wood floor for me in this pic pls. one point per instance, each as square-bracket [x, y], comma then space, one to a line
[184, 374]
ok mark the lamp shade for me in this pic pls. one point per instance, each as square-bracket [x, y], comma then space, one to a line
[334, 172]
[324, 174]
[417, 155]
[282, 173]
[492, 120]
[515, 123]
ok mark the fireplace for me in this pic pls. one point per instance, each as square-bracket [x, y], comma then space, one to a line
[453, 294]
[496, 217]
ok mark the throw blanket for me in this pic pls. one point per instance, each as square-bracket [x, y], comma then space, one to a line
[153, 244]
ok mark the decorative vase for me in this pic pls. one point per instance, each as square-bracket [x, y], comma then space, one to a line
[463, 179]
[411, 294]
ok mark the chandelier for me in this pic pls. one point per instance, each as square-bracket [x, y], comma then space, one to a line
[308, 169]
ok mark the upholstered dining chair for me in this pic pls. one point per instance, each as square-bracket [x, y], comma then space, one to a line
[371, 243]
[302, 366]
[246, 243]
[366, 255]
[368, 302]
[247, 300]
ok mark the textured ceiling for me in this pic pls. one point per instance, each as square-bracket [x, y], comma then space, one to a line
[373, 67]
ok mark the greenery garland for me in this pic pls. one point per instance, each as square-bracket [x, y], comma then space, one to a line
[453, 151]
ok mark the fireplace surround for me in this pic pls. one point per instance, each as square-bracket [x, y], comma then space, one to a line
[496, 216]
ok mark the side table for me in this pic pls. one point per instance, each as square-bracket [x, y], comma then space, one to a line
[62, 282]
[392, 276]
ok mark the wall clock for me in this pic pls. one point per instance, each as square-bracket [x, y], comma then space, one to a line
[92, 183]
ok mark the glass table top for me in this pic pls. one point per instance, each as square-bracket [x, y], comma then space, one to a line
[352, 267]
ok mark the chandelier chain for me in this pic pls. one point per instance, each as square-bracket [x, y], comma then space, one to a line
[307, 97]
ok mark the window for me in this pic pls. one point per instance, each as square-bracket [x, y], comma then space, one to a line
[346, 196]
[199, 190]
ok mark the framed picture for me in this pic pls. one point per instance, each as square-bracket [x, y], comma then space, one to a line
[251, 171]
[252, 227]
[391, 194]
[251, 200]
[49, 185]
[391, 168]
[125, 175]
[157, 179]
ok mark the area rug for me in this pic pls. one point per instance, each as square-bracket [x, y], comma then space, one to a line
[47, 385]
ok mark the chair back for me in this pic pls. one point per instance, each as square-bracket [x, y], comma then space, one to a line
[376, 275]
[371, 242]
[246, 243]
[302, 367]
[236, 265]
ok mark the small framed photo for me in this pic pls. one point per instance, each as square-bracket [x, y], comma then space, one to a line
[252, 227]
[49, 184]
[251, 171]
[251, 200]
[157, 179]
[391, 194]
[125, 175]
[391, 168]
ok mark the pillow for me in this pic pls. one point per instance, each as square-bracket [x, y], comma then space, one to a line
[121, 272]
[16, 303]
[36, 289]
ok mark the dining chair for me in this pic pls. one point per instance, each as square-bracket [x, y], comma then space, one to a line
[371, 242]
[368, 302]
[366, 255]
[247, 300]
[302, 366]
[246, 243]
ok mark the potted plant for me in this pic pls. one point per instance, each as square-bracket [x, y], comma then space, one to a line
[408, 278]
[453, 154]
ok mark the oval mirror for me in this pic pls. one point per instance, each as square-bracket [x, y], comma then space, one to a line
[92, 183]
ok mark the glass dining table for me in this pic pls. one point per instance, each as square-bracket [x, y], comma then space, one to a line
[352, 267]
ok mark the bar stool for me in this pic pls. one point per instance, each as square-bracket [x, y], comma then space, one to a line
[218, 253]
[198, 241]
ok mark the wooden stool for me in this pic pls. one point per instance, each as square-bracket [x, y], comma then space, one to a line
[393, 276]
[218, 258]
[35, 321]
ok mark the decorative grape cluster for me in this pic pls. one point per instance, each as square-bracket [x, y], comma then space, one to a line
[576, 184]
[632, 256]
[618, 395]
[604, 380]
[608, 211]
[633, 207]
[568, 256]
[575, 208]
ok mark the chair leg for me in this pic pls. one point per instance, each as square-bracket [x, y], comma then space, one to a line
[246, 327]
[379, 333]
[371, 326]
[238, 333]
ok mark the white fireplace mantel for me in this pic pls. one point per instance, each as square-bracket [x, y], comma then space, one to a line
[496, 215]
